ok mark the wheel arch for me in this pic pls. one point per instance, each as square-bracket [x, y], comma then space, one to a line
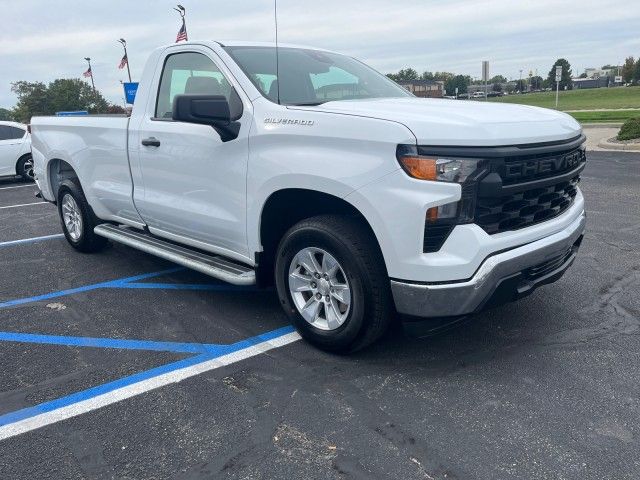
[59, 170]
[288, 206]
[20, 158]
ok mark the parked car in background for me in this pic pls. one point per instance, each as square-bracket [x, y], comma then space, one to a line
[478, 95]
[15, 150]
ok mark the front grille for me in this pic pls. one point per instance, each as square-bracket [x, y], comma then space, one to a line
[525, 208]
[524, 189]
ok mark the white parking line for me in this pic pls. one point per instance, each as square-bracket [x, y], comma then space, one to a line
[30, 240]
[23, 205]
[143, 386]
[18, 186]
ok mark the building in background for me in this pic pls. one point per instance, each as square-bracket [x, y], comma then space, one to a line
[424, 88]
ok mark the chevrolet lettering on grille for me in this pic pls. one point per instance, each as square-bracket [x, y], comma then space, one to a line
[542, 166]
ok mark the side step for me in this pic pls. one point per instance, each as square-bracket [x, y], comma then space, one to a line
[213, 265]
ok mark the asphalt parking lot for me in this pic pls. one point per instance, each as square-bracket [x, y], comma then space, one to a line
[120, 365]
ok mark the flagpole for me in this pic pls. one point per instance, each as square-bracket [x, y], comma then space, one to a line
[124, 45]
[90, 70]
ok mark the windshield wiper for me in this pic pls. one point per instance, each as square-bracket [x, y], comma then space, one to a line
[308, 104]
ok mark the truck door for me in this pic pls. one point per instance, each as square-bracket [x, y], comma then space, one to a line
[193, 184]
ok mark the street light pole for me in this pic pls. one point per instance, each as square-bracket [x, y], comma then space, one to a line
[91, 70]
[520, 82]
[123, 42]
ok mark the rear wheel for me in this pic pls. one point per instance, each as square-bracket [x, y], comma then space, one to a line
[77, 218]
[25, 168]
[333, 284]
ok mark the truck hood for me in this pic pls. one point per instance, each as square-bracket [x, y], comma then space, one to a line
[463, 123]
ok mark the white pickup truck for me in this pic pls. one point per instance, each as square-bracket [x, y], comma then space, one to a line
[308, 169]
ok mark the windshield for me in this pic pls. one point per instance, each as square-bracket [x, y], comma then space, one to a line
[311, 77]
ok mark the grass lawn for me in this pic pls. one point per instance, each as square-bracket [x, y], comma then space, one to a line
[588, 99]
[618, 116]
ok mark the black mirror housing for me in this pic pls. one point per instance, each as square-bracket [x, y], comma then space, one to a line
[213, 110]
[203, 109]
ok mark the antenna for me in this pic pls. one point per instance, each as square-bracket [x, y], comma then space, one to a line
[275, 16]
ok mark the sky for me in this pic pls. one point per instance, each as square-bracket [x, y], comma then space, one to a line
[42, 40]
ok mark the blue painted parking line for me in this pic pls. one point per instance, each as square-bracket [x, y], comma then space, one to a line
[203, 356]
[213, 352]
[132, 283]
[30, 240]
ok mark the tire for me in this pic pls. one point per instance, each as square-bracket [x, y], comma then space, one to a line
[349, 242]
[79, 232]
[25, 168]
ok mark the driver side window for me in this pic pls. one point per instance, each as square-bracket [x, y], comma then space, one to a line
[188, 72]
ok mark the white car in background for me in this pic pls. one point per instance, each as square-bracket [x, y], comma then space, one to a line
[15, 150]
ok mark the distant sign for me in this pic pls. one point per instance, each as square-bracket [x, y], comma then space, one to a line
[485, 71]
[618, 79]
[72, 114]
[130, 90]
[558, 73]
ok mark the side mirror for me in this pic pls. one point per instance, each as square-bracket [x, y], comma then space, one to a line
[203, 109]
[212, 110]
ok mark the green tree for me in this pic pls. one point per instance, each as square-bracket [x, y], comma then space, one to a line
[627, 69]
[536, 82]
[443, 76]
[404, 75]
[5, 115]
[460, 81]
[565, 79]
[36, 98]
[636, 73]
[496, 87]
[498, 79]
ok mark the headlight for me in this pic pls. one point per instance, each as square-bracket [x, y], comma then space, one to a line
[437, 168]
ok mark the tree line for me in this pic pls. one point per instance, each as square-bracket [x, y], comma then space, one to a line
[630, 72]
[63, 94]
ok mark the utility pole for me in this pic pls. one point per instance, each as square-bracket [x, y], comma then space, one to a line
[520, 82]
[91, 73]
[123, 42]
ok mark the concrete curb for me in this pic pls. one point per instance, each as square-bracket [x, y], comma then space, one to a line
[601, 125]
[627, 147]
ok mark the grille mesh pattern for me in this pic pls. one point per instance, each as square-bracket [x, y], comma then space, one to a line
[525, 208]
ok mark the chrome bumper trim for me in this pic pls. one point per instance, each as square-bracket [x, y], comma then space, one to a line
[462, 298]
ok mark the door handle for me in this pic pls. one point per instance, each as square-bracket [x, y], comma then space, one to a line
[151, 142]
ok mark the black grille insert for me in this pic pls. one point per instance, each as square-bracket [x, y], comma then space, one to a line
[525, 208]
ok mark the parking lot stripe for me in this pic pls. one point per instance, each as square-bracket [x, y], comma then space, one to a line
[18, 186]
[115, 343]
[23, 205]
[32, 418]
[109, 284]
[31, 240]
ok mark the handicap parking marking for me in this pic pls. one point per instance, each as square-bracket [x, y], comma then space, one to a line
[132, 283]
[31, 240]
[215, 356]
[202, 358]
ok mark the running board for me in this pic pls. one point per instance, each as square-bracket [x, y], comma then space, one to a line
[213, 265]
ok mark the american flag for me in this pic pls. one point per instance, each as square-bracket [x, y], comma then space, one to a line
[88, 73]
[182, 33]
[123, 62]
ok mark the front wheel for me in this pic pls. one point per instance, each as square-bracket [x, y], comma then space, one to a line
[333, 284]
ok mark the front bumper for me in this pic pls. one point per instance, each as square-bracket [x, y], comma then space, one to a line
[500, 278]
